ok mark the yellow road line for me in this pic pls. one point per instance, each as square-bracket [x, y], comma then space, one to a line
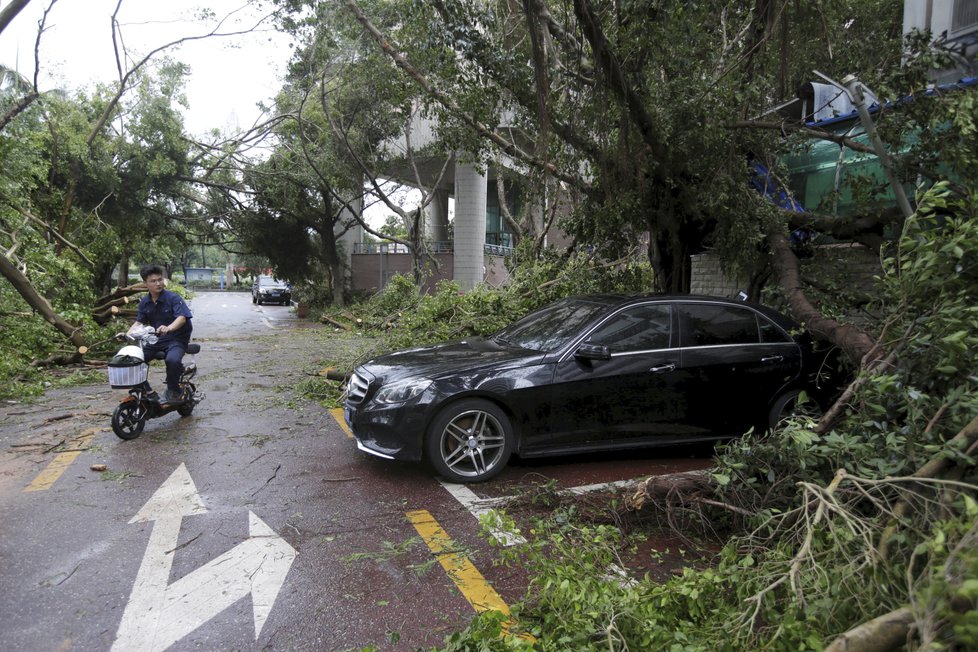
[463, 572]
[61, 462]
[340, 419]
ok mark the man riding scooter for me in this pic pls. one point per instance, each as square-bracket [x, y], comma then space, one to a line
[169, 314]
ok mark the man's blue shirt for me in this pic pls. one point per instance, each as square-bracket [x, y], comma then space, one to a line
[168, 307]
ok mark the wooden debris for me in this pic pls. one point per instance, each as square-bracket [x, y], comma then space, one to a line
[328, 320]
[116, 304]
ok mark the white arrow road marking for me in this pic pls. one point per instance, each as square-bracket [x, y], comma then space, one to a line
[159, 614]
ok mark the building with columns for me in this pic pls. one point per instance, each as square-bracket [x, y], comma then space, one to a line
[472, 247]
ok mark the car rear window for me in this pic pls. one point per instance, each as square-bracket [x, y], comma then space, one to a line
[717, 325]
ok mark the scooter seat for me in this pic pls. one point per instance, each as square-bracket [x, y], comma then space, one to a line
[193, 348]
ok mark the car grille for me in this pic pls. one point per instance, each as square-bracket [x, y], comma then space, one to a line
[356, 390]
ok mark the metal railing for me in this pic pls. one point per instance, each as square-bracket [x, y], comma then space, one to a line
[443, 247]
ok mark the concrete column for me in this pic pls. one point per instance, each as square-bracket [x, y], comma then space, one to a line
[470, 225]
[436, 217]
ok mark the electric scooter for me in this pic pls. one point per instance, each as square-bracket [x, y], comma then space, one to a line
[129, 369]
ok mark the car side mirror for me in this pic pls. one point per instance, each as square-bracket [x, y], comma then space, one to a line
[592, 352]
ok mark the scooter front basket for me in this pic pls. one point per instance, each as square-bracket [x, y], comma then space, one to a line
[129, 374]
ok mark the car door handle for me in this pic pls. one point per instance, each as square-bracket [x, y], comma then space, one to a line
[663, 367]
[772, 358]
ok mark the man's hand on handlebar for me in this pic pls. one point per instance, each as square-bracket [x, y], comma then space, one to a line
[136, 332]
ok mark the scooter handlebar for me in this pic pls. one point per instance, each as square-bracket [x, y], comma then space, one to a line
[146, 334]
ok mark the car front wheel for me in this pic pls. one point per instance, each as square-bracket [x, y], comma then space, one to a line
[470, 441]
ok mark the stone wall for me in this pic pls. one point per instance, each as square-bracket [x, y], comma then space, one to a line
[846, 269]
[707, 278]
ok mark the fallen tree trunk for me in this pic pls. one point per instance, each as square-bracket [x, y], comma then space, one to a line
[62, 359]
[882, 634]
[23, 285]
[121, 301]
[662, 487]
[121, 292]
[328, 320]
[853, 341]
[102, 317]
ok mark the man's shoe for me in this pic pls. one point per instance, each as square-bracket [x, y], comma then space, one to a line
[172, 396]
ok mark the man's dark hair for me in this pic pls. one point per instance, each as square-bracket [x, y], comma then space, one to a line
[148, 270]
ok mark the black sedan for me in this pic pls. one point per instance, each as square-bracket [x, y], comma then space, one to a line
[271, 290]
[583, 374]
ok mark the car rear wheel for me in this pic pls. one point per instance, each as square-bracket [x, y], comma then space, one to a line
[470, 441]
[793, 404]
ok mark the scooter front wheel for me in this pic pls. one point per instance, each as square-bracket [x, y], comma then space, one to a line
[128, 420]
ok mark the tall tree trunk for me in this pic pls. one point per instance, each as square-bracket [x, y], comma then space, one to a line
[123, 279]
[23, 285]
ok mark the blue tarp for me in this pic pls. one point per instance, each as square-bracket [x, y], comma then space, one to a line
[764, 182]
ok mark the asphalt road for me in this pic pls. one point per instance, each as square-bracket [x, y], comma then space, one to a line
[253, 524]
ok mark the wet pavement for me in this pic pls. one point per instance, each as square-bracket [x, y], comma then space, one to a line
[254, 523]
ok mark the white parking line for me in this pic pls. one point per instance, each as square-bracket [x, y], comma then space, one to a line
[492, 507]
[484, 507]
[588, 488]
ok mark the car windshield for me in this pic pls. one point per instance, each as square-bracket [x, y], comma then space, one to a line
[268, 281]
[549, 328]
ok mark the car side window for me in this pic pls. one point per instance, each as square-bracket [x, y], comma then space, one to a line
[717, 325]
[639, 328]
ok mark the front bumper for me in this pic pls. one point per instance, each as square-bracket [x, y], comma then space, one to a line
[394, 433]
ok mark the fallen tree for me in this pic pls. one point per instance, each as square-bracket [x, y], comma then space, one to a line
[35, 300]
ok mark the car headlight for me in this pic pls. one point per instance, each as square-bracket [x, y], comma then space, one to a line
[401, 391]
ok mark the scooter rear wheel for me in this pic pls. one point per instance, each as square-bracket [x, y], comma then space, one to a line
[128, 420]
